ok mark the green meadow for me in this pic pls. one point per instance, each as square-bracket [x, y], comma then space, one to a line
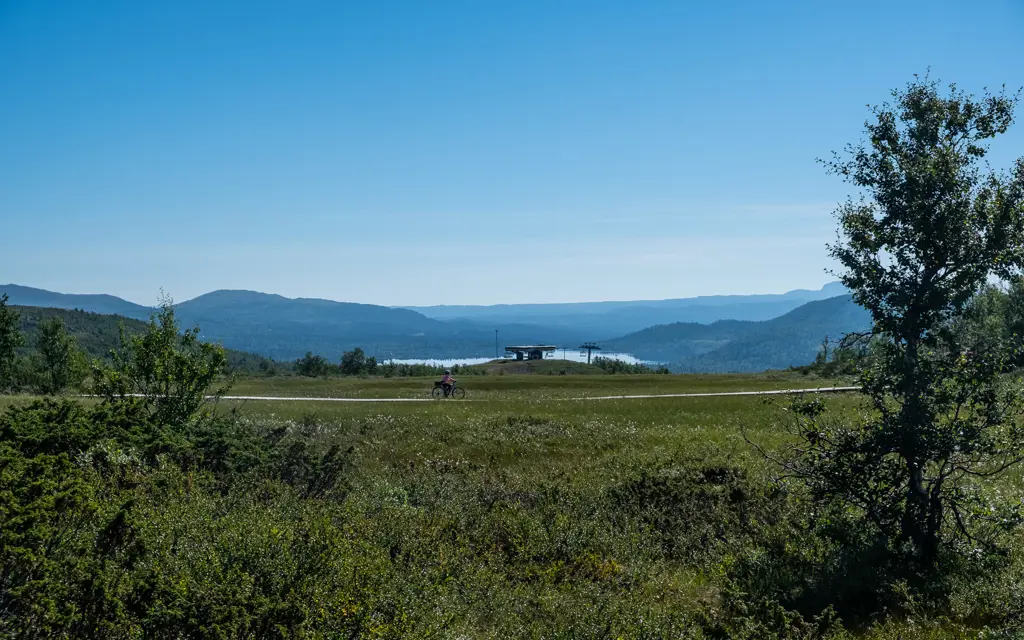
[524, 511]
[525, 388]
[536, 426]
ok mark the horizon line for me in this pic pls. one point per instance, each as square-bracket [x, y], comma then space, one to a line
[428, 306]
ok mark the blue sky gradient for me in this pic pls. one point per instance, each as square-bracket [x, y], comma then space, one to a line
[453, 152]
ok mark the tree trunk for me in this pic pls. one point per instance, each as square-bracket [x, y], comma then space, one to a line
[922, 514]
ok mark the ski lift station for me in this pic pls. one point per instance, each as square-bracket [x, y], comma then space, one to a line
[530, 351]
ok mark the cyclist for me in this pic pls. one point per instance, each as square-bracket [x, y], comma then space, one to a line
[447, 382]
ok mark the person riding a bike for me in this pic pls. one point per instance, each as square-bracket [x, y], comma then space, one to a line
[447, 382]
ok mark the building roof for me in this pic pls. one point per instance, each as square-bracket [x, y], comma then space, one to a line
[532, 347]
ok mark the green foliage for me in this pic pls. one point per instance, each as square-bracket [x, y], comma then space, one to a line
[604, 519]
[610, 365]
[97, 335]
[355, 363]
[54, 364]
[845, 358]
[169, 372]
[10, 340]
[88, 510]
[45, 504]
[419, 369]
[994, 320]
[312, 366]
[932, 228]
[63, 364]
[700, 509]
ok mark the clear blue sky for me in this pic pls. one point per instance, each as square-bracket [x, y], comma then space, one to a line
[536, 150]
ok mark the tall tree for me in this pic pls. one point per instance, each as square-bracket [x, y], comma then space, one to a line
[10, 340]
[931, 226]
[311, 365]
[60, 355]
[170, 373]
[353, 362]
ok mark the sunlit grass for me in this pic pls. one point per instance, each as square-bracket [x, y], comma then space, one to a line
[523, 387]
[527, 461]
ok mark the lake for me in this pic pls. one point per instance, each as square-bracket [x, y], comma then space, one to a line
[569, 354]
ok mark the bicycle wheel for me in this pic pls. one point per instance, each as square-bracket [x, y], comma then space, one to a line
[437, 393]
[458, 393]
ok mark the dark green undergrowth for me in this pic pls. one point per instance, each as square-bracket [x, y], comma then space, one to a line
[115, 526]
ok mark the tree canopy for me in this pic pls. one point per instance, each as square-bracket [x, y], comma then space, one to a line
[931, 225]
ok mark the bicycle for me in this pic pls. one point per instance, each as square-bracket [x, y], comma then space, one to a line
[439, 392]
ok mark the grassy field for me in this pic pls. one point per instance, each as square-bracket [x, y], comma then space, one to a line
[538, 387]
[520, 438]
[523, 512]
[534, 425]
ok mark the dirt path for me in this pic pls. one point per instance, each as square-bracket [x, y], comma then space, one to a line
[622, 397]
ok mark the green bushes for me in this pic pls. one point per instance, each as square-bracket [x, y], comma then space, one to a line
[169, 372]
[115, 525]
[698, 510]
[56, 364]
[355, 363]
[94, 517]
[312, 366]
[419, 369]
[611, 365]
[10, 340]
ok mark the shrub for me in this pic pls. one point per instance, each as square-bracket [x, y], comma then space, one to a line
[168, 373]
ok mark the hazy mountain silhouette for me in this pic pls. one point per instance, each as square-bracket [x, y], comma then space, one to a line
[96, 303]
[285, 328]
[732, 346]
[603, 320]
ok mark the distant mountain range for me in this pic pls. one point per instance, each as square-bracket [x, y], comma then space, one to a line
[711, 333]
[729, 345]
[603, 320]
[96, 303]
[286, 328]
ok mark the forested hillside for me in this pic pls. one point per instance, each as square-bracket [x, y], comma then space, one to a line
[790, 340]
[97, 334]
[736, 346]
[679, 340]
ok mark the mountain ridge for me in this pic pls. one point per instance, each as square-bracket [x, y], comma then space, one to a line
[69, 300]
[827, 290]
[285, 328]
[791, 339]
[606, 320]
[93, 302]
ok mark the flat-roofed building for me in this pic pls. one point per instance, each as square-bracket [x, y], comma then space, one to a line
[530, 351]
